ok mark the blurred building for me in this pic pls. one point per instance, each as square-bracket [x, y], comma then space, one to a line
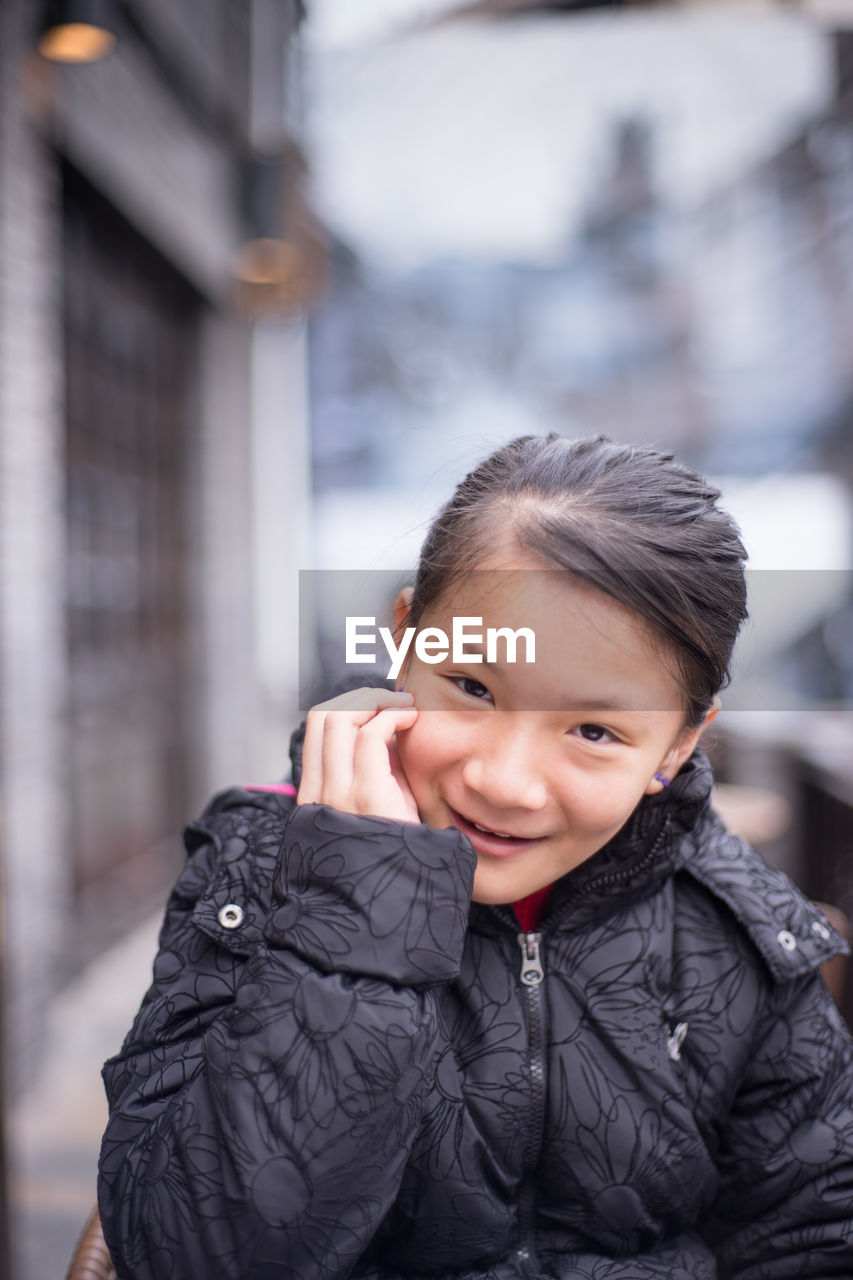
[693, 287]
[687, 279]
[152, 462]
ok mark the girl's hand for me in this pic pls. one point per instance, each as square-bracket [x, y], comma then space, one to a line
[350, 759]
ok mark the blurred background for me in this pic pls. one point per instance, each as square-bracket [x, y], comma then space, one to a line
[273, 274]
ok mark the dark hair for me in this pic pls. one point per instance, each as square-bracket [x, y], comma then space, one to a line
[627, 519]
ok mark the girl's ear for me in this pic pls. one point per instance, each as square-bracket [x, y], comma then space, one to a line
[401, 608]
[682, 751]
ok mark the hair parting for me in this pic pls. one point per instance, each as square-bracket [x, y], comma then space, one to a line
[628, 520]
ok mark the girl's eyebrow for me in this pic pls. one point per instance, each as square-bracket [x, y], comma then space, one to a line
[567, 702]
[559, 702]
[600, 704]
[593, 704]
[573, 703]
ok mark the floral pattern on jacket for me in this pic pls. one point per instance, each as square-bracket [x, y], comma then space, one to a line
[355, 1080]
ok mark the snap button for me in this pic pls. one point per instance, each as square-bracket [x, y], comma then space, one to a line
[786, 940]
[820, 929]
[230, 916]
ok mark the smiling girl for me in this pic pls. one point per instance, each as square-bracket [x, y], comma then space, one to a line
[495, 995]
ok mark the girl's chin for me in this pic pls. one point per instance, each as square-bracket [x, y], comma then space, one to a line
[495, 890]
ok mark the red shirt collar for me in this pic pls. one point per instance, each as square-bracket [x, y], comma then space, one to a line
[529, 910]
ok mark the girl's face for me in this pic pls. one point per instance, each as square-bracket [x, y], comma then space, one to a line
[539, 764]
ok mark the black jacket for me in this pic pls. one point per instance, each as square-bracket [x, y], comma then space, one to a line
[344, 1069]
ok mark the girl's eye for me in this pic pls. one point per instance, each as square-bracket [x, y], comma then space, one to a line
[595, 733]
[473, 688]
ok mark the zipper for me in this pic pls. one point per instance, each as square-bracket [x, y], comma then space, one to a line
[532, 974]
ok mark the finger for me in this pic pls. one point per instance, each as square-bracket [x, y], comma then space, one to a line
[373, 772]
[361, 704]
[340, 730]
[366, 699]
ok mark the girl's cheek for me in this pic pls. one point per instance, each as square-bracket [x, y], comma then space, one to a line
[420, 742]
[424, 749]
[599, 802]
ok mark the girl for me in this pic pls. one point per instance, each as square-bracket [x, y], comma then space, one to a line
[495, 995]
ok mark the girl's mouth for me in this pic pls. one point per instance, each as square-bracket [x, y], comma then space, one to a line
[498, 844]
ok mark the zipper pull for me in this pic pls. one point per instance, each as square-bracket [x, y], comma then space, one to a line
[532, 972]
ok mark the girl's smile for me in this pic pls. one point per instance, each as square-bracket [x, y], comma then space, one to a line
[541, 764]
[497, 844]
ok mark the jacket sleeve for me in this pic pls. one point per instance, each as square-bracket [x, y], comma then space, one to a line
[785, 1207]
[263, 1105]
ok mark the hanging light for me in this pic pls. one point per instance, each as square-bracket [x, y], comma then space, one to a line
[77, 31]
[266, 261]
[266, 188]
[280, 264]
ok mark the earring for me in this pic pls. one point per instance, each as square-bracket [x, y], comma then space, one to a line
[664, 781]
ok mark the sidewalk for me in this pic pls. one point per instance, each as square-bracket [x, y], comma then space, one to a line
[55, 1128]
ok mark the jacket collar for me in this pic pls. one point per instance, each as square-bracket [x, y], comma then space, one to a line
[650, 846]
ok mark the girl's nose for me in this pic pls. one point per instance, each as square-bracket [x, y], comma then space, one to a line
[503, 768]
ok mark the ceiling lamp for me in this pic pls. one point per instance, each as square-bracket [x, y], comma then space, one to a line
[280, 266]
[77, 31]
